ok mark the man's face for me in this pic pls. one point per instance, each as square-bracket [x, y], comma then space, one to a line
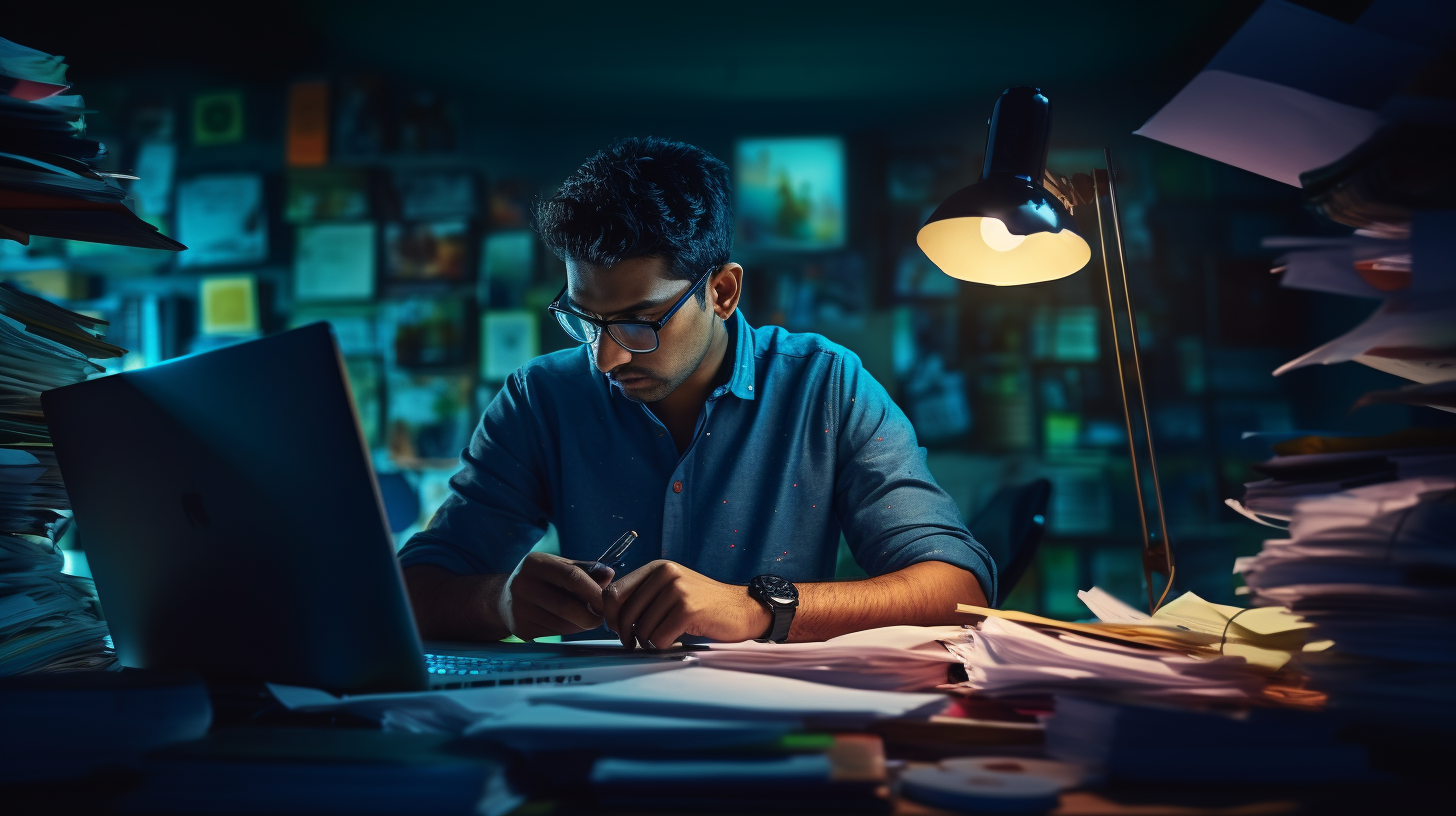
[641, 289]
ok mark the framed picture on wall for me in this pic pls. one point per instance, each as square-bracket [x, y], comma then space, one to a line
[426, 251]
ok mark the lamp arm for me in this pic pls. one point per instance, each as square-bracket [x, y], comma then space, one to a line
[1156, 557]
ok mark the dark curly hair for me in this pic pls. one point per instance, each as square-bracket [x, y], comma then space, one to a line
[644, 197]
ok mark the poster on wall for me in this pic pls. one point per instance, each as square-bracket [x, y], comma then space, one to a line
[508, 340]
[426, 251]
[430, 418]
[228, 305]
[427, 332]
[334, 262]
[222, 220]
[790, 193]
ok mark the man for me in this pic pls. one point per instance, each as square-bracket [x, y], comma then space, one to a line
[737, 454]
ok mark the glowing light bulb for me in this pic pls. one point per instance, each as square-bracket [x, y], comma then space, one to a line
[997, 237]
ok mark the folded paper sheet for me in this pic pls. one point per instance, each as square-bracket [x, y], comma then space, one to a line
[892, 658]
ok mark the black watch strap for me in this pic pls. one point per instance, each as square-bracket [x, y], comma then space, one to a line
[781, 598]
[783, 618]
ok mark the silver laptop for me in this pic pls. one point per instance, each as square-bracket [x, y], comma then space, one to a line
[233, 525]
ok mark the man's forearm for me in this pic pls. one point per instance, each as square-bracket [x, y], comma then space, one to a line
[923, 594]
[456, 607]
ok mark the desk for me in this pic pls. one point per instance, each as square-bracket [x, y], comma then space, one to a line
[280, 758]
[106, 791]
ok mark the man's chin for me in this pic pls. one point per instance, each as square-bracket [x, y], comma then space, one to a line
[643, 389]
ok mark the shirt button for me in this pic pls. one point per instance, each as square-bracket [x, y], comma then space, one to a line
[677, 487]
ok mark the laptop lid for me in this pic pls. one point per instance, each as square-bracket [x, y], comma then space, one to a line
[230, 515]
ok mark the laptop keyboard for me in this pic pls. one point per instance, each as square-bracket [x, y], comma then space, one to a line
[464, 671]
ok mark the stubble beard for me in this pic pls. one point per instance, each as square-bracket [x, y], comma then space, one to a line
[661, 392]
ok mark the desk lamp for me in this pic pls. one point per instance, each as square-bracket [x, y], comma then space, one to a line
[1015, 226]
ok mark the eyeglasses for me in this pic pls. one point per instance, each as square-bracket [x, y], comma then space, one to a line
[636, 336]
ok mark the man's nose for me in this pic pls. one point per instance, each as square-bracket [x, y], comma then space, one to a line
[609, 353]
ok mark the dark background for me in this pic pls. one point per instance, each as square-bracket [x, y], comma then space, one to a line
[533, 89]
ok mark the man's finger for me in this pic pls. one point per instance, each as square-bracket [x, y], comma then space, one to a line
[541, 621]
[674, 626]
[645, 593]
[658, 611]
[599, 572]
[614, 596]
[572, 578]
[559, 602]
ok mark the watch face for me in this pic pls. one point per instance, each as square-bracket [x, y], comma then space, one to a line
[776, 589]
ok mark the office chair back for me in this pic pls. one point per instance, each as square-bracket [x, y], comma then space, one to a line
[1010, 526]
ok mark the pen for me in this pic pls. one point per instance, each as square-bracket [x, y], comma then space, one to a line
[613, 556]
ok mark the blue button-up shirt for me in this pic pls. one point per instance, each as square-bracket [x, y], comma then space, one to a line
[799, 444]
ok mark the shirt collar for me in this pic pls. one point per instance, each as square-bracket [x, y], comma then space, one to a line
[740, 382]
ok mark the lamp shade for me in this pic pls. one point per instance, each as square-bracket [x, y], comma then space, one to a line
[1005, 229]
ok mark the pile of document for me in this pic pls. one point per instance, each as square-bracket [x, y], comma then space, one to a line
[1191, 653]
[48, 620]
[1364, 137]
[892, 658]
[1373, 567]
[48, 181]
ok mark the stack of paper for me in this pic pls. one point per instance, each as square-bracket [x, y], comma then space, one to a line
[1412, 334]
[48, 620]
[690, 695]
[893, 658]
[1372, 568]
[1008, 659]
[1192, 653]
[48, 183]
[1277, 102]
[1336, 465]
[1267, 637]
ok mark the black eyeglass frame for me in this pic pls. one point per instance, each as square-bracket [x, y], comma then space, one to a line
[557, 309]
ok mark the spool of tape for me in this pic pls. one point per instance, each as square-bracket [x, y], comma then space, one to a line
[974, 791]
[1066, 774]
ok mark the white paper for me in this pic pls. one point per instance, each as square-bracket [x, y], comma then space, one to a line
[1259, 126]
[1109, 609]
[1300, 48]
[891, 658]
[1396, 324]
[713, 693]
[1008, 658]
[1291, 91]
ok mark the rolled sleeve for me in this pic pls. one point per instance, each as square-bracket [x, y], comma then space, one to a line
[499, 505]
[891, 509]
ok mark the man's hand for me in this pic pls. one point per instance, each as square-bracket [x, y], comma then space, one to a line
[664, 600]
[551, 595]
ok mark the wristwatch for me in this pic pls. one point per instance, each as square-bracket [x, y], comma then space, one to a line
[781, 598]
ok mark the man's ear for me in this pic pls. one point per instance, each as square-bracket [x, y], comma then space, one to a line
[724, 288]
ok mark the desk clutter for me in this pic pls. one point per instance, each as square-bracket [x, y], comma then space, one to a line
[1368, 561]
[48, 619]
[1045, 707]
[1352, 615]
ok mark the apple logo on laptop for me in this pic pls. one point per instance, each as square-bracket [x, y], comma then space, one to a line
[196, 512]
